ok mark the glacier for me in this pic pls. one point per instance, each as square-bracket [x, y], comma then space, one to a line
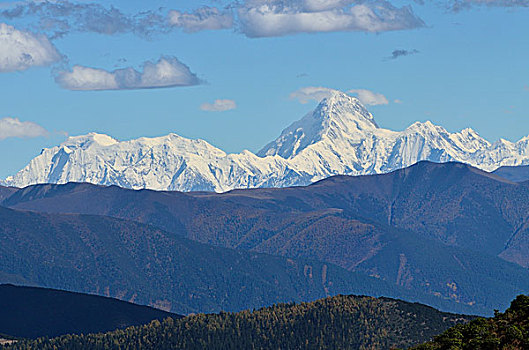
[340, 137]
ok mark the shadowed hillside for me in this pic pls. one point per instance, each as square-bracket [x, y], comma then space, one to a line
[30, 312]
[145, 265]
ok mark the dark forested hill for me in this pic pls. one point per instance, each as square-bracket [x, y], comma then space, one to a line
[146, 265]
[30, 312]
[446, 230]
[341, 322]
[508, 330]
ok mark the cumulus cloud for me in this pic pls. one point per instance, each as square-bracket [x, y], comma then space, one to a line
[205, 18]
[13, 127]
[312, 93]
[254, 18]
[63, 16]
[369, 98]
[400, 53]
[267, 18]
[21, 50]
[86, 78]
[167, 72]
[219, 106]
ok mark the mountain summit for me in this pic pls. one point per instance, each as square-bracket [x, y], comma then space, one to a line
[339, 116]
[339, 137]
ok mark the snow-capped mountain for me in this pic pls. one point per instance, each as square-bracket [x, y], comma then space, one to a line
[339, 137]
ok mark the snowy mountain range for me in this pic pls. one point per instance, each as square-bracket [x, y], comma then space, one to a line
[339, 137]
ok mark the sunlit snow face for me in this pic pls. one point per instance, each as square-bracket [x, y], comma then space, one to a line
[340, 136]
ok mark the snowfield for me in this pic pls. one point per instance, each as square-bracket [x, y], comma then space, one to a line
[339, 137]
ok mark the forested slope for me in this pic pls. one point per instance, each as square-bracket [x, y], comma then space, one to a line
[508, 330]
[341, 322]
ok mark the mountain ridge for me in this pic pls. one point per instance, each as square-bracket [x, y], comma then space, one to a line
[340, 137]
[378, 225]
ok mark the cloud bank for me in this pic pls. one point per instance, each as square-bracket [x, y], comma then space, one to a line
[369, 98]
[13, 127]
[167, 72]
[205, 18]
[312, 93]
[21, 50]
[253, 18]
[219, 106]
[268, 18]
[63, 16]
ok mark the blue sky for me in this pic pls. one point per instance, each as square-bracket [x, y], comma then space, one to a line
[466, 67]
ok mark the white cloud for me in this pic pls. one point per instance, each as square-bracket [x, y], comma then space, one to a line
[312, 93]
[267, 18]
[369, 98]
[13, 127]
[254, 18]
[205, 18]
[219, 106]
[86, 78]
[167, 72]
[21, 50]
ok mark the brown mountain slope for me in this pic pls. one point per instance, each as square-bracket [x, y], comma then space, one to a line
[430, 227]
[143, 264]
